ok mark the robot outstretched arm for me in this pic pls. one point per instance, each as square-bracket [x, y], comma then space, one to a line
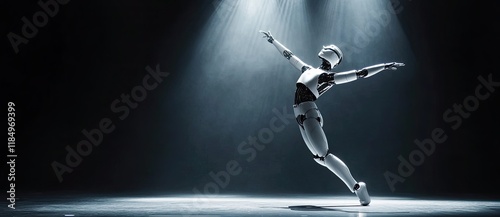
[295, 61]
[344, 77]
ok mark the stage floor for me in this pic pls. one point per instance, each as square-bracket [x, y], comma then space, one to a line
[240, 205]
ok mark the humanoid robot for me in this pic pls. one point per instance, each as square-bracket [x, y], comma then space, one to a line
[312, 83]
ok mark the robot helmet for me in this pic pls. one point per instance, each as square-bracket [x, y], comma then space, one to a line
[332, 54]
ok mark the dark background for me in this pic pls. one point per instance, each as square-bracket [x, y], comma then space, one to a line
[65, 78]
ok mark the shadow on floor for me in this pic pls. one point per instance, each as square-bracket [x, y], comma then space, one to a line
[339, 209]
[319, 208]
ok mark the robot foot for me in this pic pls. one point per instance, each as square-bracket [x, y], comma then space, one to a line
[362, 193]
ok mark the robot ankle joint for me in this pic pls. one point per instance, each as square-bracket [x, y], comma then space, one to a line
[356, 186]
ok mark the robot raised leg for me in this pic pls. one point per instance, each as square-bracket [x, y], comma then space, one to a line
[310, 124]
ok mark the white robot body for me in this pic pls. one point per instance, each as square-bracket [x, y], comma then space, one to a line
[310, 79]
[312, 83]
[332, 54]
[345, 77]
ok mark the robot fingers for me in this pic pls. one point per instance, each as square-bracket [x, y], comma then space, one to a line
[393, 65]
[267, 35]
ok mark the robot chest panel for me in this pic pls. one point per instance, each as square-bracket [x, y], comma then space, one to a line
[310, 79]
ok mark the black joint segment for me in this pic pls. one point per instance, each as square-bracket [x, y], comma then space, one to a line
[318, 157]
[305, 68]
[288, 54]
[363, 73]
[270, 40]
[300, 120]
[356, 186]
[303, 94]
[325, 64]
[325, 78]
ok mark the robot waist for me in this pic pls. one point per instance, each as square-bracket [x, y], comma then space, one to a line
[303, 94]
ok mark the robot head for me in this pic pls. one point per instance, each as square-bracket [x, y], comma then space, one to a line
[331, 56]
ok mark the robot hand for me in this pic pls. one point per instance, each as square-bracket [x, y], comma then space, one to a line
[393, 65]
[268, 36]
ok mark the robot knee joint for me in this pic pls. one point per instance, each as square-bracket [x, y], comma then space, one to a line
[321, 159]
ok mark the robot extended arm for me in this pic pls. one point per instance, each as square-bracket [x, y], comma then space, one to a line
[344, 77]
[295, 61]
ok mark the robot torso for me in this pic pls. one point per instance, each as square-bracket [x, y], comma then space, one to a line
[311, 85]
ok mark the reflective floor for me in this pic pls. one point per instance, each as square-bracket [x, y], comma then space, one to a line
[240, 205]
